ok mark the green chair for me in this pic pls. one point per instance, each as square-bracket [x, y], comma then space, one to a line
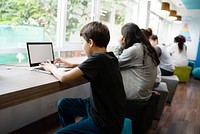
[183, 73]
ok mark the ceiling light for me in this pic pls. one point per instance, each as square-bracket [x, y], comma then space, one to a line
[165, 8]
[172, 15]
[179, 19]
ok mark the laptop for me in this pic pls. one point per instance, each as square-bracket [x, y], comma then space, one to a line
[39, 52]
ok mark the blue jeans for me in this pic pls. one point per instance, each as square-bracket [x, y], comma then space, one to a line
[68, 109]
[166, 73]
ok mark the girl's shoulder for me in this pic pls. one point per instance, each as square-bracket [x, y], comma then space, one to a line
[135, 47]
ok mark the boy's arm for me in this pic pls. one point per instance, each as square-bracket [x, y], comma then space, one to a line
[60, 75]
[64, 62]
[67, 76]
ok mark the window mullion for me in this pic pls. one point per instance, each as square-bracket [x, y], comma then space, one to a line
[61, 22]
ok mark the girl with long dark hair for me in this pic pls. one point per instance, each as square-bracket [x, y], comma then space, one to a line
[138, 62]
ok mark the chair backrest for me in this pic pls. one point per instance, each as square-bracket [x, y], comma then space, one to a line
[142, 113]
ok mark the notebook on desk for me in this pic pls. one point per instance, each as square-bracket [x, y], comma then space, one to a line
[39, 52]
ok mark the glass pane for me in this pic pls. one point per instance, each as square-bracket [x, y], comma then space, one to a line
[115, 14]
[26, 20]
[13, 58]
[16, 36]
[78, 14]
[155, 6]
[154, 23]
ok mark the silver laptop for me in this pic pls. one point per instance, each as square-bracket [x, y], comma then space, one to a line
[39, 52]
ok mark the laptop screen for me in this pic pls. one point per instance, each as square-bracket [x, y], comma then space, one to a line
[39, 52]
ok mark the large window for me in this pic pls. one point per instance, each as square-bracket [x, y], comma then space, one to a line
[59, 21]
[159, 23]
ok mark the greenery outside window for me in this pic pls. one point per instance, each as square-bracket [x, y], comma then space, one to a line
[115, 14]
[22, 21]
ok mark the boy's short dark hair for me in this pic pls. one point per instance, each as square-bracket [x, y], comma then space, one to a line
[96, 31]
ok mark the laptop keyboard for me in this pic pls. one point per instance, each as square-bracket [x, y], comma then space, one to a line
[41, 68]
[59, 68]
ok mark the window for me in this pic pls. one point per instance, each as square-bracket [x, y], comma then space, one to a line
[78, 13]
[115, 14]
[22, 21]
[59, 21]
[159, 23]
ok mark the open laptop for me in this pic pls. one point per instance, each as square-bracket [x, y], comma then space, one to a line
[39, 52]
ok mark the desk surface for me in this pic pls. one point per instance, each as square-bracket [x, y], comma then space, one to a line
[18, 85]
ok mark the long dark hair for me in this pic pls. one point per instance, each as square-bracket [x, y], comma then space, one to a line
[133, 34]
[180, 39]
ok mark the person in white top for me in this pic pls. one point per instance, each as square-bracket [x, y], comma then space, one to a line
[166, 63]
[178, 51]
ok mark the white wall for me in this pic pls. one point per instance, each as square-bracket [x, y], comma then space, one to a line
[193, 31]
[23, 114]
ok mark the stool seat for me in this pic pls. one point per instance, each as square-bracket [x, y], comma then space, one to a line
[142, 113]
[183, 73]
[172, 82]
[127, 129]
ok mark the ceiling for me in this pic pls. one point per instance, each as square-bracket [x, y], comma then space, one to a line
[187, 4]
[191, 4]
[187, 7]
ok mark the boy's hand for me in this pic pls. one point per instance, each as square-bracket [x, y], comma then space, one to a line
[59, 60]
[63, 62]
[48, 65]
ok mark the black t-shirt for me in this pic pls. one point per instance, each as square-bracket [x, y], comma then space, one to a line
[107, 96]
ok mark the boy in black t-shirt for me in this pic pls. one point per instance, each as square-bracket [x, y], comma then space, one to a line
[104, 111]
